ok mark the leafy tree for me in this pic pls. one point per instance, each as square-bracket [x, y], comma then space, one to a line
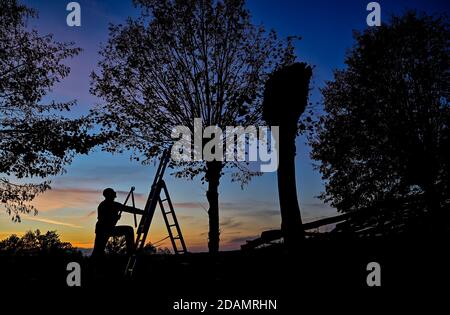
[36, 243]
[285, 99]
[384, 137]
[151, 249]
[116, 245]
[182, 60]
[35, 139]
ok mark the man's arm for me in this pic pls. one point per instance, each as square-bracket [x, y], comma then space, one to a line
[128, 209]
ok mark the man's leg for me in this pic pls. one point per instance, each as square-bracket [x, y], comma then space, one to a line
[128, 232]
[99, 245]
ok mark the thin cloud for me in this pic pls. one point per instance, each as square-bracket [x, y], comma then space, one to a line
[189, 205]
[43, 220]
[74, 198]
[230, 223]
[90, 214]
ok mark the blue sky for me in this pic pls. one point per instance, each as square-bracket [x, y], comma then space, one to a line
[326, 28]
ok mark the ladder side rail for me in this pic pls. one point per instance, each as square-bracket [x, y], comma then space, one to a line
[149, 216]
[142, 229]
[152, 200]
[141, 234]
[174, 217]
[162, 166]
[158, 171]
[134, 206]
[143, 218]
[169, 230]
[131, 193]
[148, 212]
[152, 195]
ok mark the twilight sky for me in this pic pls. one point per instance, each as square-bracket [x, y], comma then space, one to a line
[70, 207]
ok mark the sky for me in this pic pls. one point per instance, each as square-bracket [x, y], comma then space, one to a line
[326, 28]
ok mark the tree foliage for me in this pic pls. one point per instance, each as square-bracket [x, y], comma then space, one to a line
[116, 245]
[150, 249]
[36, 139]
[36, 243]
[183, 60]
[384, 137]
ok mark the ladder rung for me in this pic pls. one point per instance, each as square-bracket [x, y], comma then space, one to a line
[162, 200]
[168, 212]
[170, 225]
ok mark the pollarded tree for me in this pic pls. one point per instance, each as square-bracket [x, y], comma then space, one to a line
[182, 60]
[384, 138]
[285, 99]
[35, 140]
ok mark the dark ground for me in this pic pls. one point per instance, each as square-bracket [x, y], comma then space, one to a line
[319, 271]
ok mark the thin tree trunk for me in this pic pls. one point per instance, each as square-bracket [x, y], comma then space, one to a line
[213, 173]
[291, 222]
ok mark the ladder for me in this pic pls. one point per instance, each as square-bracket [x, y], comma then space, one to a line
[158, 188]
[131, 193]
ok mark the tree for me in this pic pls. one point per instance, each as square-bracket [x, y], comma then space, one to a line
[36, 141]
[384, 137]
[182, 60]
[150, 249]
[285, 99]
[116, 245]
[36, 243]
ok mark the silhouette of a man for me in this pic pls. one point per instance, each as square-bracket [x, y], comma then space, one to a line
[108, 215]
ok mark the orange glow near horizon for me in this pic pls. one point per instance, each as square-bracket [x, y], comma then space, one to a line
[72, 213]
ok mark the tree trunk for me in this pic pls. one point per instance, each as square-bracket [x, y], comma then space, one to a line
[291, 222]
[213, 173]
